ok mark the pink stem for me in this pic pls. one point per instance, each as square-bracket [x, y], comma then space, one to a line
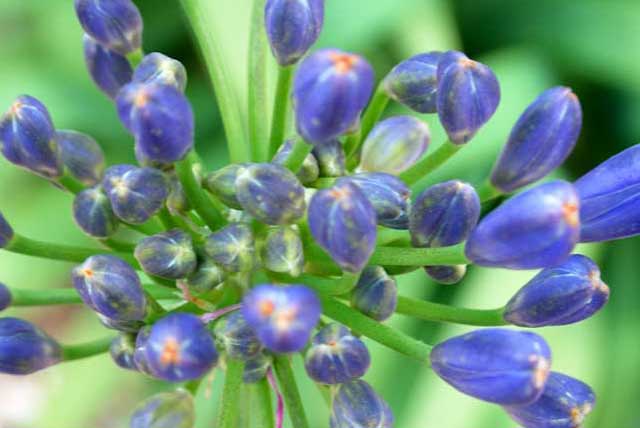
[280, 409]
[207, 318]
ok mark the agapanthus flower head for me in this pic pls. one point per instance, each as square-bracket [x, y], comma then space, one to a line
[111, 287]
[82, 156]
[232, 248]
[331, 158]
[282, 251]
[6, 232]
[122, 349]
[375, 294]
[161, 69]
[357, 405]
[336, 356]
[535, 229]
[395, 144]
[179, 348]
[468, 94]
[343, 222]
[559, 295]
[309, 171]
[541, 140]
[237, 338]
[27, 137]
[414, 83]
[330, 90]
[256, 368]
[5, 297]
[283, 317]
[24, 348]
[222, 184]
[173, 409]
[167, 255]
[115, 24]
[446, 274]
[206, 277]
[565, 403]
[108, 69]
[92, 212]
[494, 364]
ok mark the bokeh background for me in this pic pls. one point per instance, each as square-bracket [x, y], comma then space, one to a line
[590, 45]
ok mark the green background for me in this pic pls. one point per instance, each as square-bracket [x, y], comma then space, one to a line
[590, 45]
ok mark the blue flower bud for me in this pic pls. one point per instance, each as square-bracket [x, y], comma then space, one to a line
[256, 368]
[375, 294]
[27, 138]
[111, 287]
[5, 297]
[144, 160]
[565, 403]
[160, 118]
[109, 70]
[222, 184]
[179, 348]
[159, 68]
[309, 171]
[207, 276]
[237, 338]
[6, 232]
[357, 405]
[468, 95]
[446, 274]
[282, 251]
[336, 356]
[92, 212]
[413, 82]
[541, 140]
[173, 409]
[331, 158]
[394, 145]
[535, 229]
[609, 206]
[167, 255]
[496, 365]
[330, 90]
[140, 352]
[136, 194]
[343, 222]
[282, 317]
[25, 349]
[82, 156]
[115, 24]
[559, 295]
[232, 248]
[121, 351]
[125, 326]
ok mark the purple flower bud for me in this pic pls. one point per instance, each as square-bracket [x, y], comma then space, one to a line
[331, 88]
[92, 212]
[25, 349]
[6, 232]
[136, 194]
[468, 95]
[222, 184]
[237, 338]
[309, 171]
[144, 160]
[357, 405]
[292, 27]
[27, 137]
[609, 206]
[208, 276]
[446, 274]
[270, 193]
[159, 68]
[540, 141]
[82, 156]
[559, 295]
[336, 356]
[256, 368]
[282, 251]
[282, 317]
[232, 248]
[331, 158]
[121, 351]
[494, 364]
[140, 352]
[111, 287]
[179, 348]
[376, 294]
[160, 118]
[173, 409]
[395, 144]
[565, 403]
[115, 24]
[5, 297]
[167, 255]
[413, 82]
[343, 222]
[125, 326]
[109, 70]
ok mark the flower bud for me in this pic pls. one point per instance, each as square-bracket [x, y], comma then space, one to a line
[331, 158]
[115, 24]
[207, 276]
[535, 229]
[125, 326]
[167, 255]
[109, 70]
[565, 403]
[5, 297]
[282, 251]
[394, 145]
[446, 274]
[494, 364]
[559, 295]
[343, 222]
[121, 351]
[468, 95]
[413, 82]
[82, 156]
[330, 90]
[282, 317]
[357, 405]
[541, 140]
[177, 201]
[336, 356]
[24, 348]
[237, 338]
[27, 138]
[375, 294]
[232, 248]
[136, 194]
[256, 368]
[145, 161]
[173, 409]
[111, 287]
[309, 171]
[140, 352]
[159, 68]
[222, 184]
[92, 212]
[179, 348]
[6, 232]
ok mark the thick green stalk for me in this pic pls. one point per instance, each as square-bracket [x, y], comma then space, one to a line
[430, 163]
[23, 297]
[280, 106]
[404, 256]
[386, 236]
[257, 84]
[117, 245]
[351, 143]
[298, 154]
[430, 311]
[261, 407]
[230, 403]
[292, 399]
[486, 191]
[371, 116]
[85, 350]
[70, 183]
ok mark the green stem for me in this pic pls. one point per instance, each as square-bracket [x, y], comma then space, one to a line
[24, 297]
[135, 57]
[230, 403]
[403, 256]
[280, 106]
[323, 182]
[386, 236]
[486, 191]
[257, 84]
[193, 385]
[292, 399]
[166, 219]
[85, 350]
[327, 286]
[372, 115]
[121, 246]
[430, 163]
[151, 227]
[70, 183]
[351, 143]
[298, 154]
[430, 311]
[261, 406]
